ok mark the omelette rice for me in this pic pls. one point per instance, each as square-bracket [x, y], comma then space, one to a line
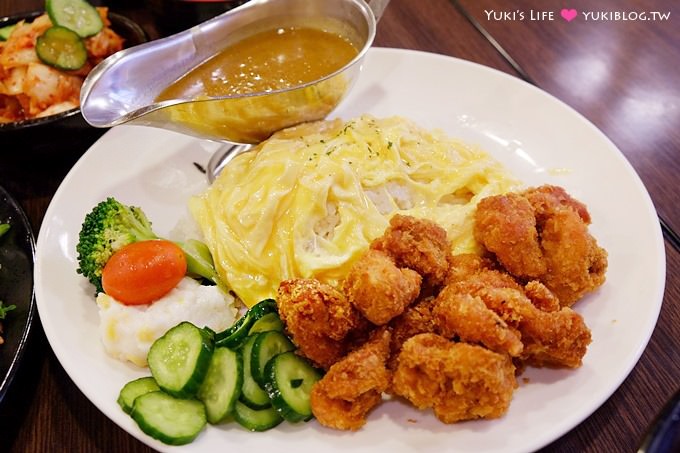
[308, 201]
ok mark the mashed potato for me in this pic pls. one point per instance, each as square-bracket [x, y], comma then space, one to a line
[308, 201]
[128, 331]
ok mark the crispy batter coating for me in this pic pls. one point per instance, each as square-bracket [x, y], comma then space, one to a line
[542, 234]
[379, 289]
[558, 339]
[417, 244]
[317, 317]
[353, 386]
[485, 278]
[458, 380]
[467, 317]
[466, 264]
[541, 296]
[416, 319]
[489, 307]
[547, 199]
[506, 226]
[576, 264]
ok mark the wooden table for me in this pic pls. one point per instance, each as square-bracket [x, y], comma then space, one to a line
[622, 75]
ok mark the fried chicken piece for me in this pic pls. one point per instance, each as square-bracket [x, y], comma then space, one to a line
[466, 264]
[485, 278]
[541, 296]
[489, 307]
[417, 244]
[547, 199]
[379, 289]
[506, 226]
[576, 264]
[416, 319]
[466, 316]
[317, 318]
[458, 380]
[542, 234]
[558, 338]
[353, 386]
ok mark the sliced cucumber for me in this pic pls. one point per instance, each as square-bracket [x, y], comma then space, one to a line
[133, 389]
[77, 15]
[173, 421]
[179, 359]
[234, 336]
[256, 419]
[61, 48]
[266, 346]
[222, 384]
[289, 384]
[251, 393]
[262, 308]
[6, 31]
[270, 321]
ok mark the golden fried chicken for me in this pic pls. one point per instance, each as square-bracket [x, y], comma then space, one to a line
[576, 264]
[542, 234]
[541, 296]
[466, 317]
[379, 289]
[489, 307]
[416, 319]
[458, 380]
[317, 318]
[466, 264]
[558, 338]
[485, 278]
[547, 199]
[506, 226]
[353, 386]
[417, 244]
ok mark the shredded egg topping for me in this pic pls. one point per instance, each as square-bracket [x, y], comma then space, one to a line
[308, 201]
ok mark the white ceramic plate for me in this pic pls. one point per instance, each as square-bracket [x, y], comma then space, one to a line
[539, 138]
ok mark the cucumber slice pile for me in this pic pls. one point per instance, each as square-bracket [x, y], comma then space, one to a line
[76, 15]
[255, 318]
[134, 389]
[257, 380]
[171, 420]
[222, 385]
[179, 360]
[61, 46]
[252, 394]
[289, 381]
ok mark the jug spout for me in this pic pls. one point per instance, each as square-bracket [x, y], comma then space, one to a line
[125, 88]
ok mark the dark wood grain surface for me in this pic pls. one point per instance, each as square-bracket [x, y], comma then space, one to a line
[621, 75]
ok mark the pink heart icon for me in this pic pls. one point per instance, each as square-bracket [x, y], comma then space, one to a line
[569, 14]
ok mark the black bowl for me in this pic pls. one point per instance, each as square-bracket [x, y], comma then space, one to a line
[17, 249]
[173, 16]
[65, 129]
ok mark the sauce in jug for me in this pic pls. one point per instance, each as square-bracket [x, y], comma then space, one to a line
[267, 61]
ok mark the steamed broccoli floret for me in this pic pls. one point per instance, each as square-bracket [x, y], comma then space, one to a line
[106, 229]
[112, 225]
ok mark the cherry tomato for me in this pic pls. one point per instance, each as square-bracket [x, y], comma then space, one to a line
[143, 272]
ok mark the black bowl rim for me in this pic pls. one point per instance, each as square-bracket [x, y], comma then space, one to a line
[22, 218]
[33, 122]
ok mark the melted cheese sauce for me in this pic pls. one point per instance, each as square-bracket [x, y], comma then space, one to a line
[267, 61]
